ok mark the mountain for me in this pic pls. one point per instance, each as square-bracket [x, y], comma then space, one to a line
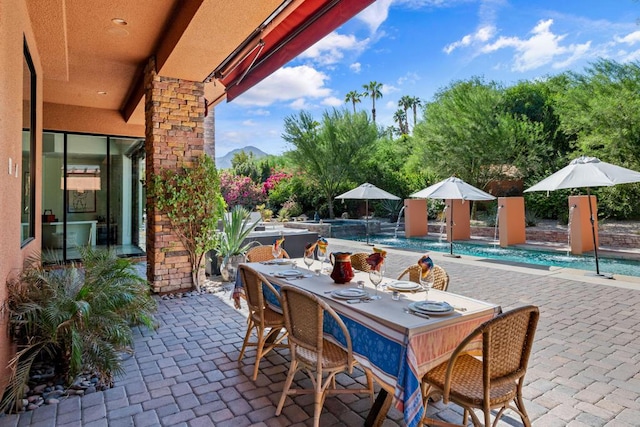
[224, 162]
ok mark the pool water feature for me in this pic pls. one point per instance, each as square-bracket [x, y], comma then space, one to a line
[512, 254]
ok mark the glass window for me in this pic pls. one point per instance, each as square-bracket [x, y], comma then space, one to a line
[24, 169]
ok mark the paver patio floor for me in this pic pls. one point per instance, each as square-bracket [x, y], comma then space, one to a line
[584, 370]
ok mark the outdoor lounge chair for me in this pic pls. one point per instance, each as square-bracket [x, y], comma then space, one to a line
[320, 358]
[263, 253]
[440, 276]
[493, 381]
[267, 322]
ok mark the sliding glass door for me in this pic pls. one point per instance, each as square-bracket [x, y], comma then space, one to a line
[88, 195]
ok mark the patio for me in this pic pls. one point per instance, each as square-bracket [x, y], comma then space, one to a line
[584, 371]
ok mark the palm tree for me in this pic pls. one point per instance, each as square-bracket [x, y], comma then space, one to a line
[405, 103]
[401, 117]
[353, 97]
[373, 91]
[415, 102]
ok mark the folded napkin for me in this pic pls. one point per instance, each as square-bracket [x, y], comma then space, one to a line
[426, 264]
[309, 248]
[322, 245]
[376, 259]
[277, 244]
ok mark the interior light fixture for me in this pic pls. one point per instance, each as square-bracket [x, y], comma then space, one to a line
[119, 21]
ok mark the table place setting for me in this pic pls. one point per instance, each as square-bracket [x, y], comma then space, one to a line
[403, 286]
[290, 274]
[278, 261]
[431, 308]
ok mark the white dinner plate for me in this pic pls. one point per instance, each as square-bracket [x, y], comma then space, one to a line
[434, 308]
[288, 273]
[403, 285]
[349, 293]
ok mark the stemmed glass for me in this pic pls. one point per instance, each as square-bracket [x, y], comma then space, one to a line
[426, 282]
[308, 259]
[276, 251]
[322, 257]
[376, 277]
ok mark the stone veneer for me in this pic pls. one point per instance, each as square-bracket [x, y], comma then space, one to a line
[174, 117]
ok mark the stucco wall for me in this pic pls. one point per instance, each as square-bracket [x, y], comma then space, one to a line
[14, 26]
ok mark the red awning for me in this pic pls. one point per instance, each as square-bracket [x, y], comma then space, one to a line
[308, 23]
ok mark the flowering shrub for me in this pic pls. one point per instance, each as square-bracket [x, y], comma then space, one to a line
[290, 208]
[240, 190]
[273, 180]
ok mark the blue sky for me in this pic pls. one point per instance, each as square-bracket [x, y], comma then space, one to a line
[417, 47]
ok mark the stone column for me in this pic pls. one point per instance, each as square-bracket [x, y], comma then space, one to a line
[415, 217]
[174, 120]
[210, 133]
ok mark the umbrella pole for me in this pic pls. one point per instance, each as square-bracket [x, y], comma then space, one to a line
[366, 218]
[450, 254]
[593, 233]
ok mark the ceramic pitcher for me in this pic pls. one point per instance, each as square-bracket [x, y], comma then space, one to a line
[342, 271]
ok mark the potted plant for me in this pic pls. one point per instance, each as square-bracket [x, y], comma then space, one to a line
[230, 243]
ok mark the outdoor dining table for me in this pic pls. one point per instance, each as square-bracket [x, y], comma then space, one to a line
[396, 346]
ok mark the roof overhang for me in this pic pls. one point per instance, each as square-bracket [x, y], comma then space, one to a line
[296, 27]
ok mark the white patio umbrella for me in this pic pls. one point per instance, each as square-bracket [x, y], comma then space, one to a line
[587, 172]
[367, 192]
[452, 188]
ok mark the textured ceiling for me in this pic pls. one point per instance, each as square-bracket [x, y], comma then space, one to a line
[84, 53]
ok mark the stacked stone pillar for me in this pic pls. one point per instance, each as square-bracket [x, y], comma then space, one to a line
[174, 119]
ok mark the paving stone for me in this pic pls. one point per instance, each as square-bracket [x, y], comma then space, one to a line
[146, 418]
[583, 372]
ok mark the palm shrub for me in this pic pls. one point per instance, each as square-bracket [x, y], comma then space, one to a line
[76, 317]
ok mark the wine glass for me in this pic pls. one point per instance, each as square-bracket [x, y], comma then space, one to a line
[308, 259]
[376, 277]
[322, 257]
[426, 282]
[276, 251]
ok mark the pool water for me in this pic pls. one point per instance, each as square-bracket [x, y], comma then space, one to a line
[537, 257]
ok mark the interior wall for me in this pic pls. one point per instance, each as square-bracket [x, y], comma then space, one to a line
[14, 27]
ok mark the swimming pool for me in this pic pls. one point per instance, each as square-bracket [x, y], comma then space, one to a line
[527, 256]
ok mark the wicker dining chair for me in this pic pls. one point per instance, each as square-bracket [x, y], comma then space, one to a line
[440, 276]
[263, 253]
[267, 322]
[493, 381]
[320, 358]
[359, 262]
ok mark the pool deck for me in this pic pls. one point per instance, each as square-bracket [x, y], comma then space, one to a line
[584, 370]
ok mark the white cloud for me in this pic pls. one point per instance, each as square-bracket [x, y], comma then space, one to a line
[374, 15]
[391, 105]
[629, 56]
[355, 67]
[249, 123]
[300, 104]
[629, 39]
[259, 112]
[482, 35]
[388, 89]
[542, 48]
[330, 50]
[286, 84]
[409, 78]
[332, 101]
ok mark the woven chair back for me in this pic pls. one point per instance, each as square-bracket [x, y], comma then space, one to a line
[263, 253]
[440, 276]
[359, 262]
[507, 341]
[305, 318]
[254, 284]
